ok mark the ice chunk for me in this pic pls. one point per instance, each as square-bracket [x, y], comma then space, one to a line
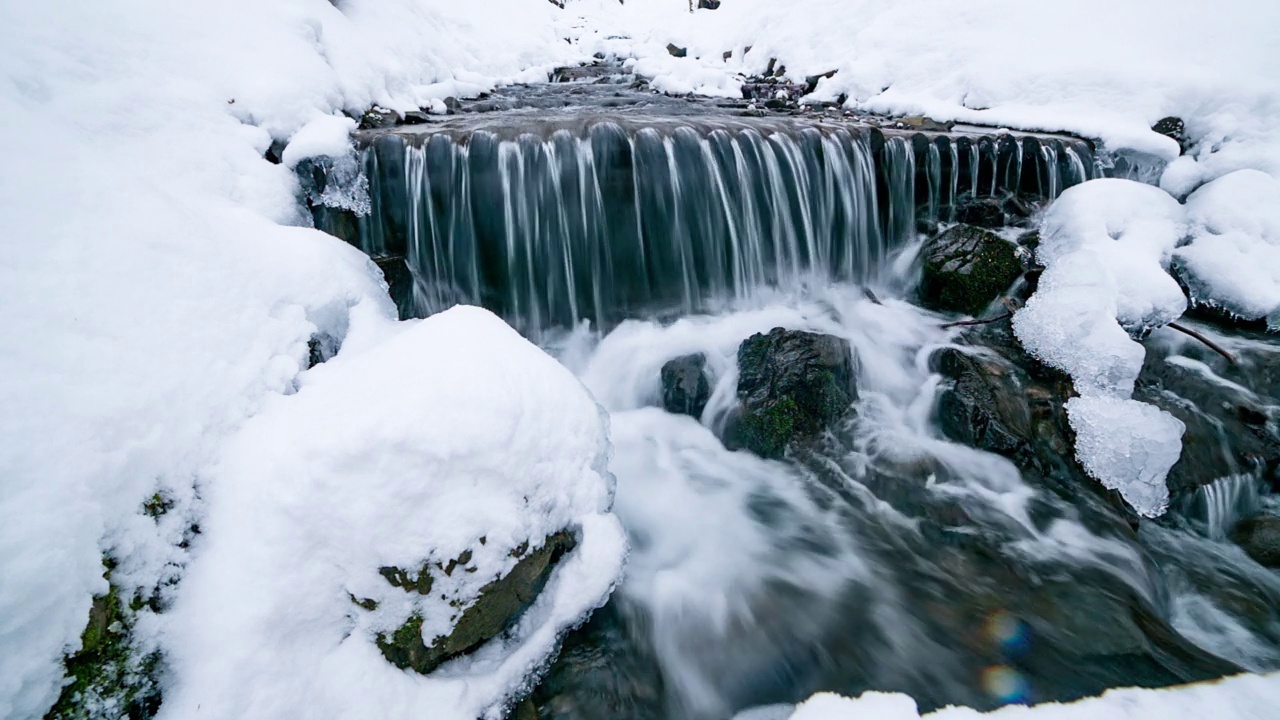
[1106, 245]
[1070, 323]
[1128, 446]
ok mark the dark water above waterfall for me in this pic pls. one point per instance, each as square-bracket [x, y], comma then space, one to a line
[888, 556]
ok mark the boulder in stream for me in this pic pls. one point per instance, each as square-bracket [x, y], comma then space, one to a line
[685, 387]
[791, 385]
[966, 268]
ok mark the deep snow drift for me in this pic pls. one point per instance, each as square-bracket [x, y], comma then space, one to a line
[154, 295]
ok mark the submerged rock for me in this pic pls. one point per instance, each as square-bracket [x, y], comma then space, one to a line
[791, 385]
[966, 268]
[980, 212]
[685, 387]
[498, 606]
[1259, 536]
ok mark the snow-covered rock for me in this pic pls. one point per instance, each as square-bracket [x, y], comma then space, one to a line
[150, 294]
[453, 445]
[1233, 259]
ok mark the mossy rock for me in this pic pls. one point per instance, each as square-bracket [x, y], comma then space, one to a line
[108, 677]
[966, 268]
[791, 385]
[499, 605]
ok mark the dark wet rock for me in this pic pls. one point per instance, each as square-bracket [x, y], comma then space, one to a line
[452, 105]
[966, 268]
[376, 118]
[980, 212]
[498, 607]
[685, 387]
[399, 280]
[417, 117]
[677, 51]
[1259, 536]
[986, 407]
[791, 385]
[1224, 434]
[708, 4]
[275, 153]
[927, 226]
[811, 82]
[1173, 127]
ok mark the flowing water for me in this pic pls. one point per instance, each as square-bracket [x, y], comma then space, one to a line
[886, 557]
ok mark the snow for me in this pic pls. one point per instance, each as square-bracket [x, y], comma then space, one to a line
[400, 454]
[1233, 259]
[1131, 229]
[1247, 697]
[326, 136]
[1101, 69]
[153, 294]
[158, 292]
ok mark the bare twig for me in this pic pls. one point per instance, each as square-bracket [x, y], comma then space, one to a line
[960, 323]
[1211, 344]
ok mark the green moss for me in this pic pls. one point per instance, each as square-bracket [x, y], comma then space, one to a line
[967, 268]
[769, 430]
[108, 677]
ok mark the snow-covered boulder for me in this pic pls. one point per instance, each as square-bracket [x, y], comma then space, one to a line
[450, 445]
[1233, 260]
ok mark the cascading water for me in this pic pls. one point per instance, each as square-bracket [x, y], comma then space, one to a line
[884, 557]
[612, 219]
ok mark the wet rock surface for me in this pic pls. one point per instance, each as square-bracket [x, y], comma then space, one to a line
[685, 386]
[1259, 536]
[792, 385]
[966, 268]
[497, 607]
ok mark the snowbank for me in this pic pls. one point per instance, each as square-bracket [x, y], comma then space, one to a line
[453, 436]
[1102, 69]
[151, 297]
[1241, 698]
[1233, 259]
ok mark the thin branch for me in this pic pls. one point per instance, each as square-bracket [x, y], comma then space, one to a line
[1211, 344]
[960, 323]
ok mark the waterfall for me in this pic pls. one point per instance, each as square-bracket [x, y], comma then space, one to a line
[1227, 500]
[550, 225]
